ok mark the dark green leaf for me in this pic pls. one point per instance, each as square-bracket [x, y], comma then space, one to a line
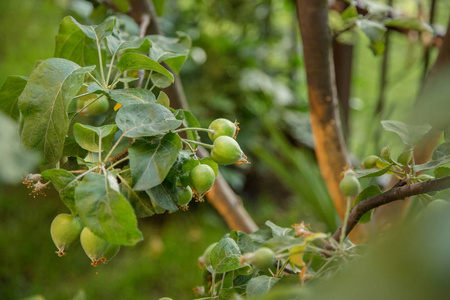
[225, 256]
[133, 95]
[279, 231]
[260, 285]
[368, 192]
[244, 242]
[134, 61]
[105, 211]
[65, 183]
[410, 134]
[9, 95]
[88, 137]
[16, 160]
[72, 149]
[150, 162]
[138, 199]
[73, 44]
[150, 119]
[43, 105]
[165, 195]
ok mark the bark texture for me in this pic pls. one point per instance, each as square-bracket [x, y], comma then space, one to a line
[330, 148]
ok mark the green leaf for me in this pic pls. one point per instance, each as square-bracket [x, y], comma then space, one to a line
[74, 44]
[88, 137]
[160, 81]
[225, 256]
[282, 243]
[165, 195]
[432, 164]
[65, 183]
[72, 149]
[135, 61]
[105, 211]
[441, 151]
[373, 172]
[441, 172]
[375, 32]
[368, 192]
[138, 199]
[172, 50]
[9, 95]
[409, 23]
[149, 119]
[279, 231]
[260, 285]
[43, 105]
[133, 95]
[163, 99]
[150, 161]
[16, 161]
[410, 134]
[105, 29]
[243, 240]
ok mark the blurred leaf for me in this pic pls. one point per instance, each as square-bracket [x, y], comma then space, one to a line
[138, 199]
[9, 95]
[160, 81]
[132, 95]
[72, 149]
[122, 5]
[282, 243]
[410, 134]
[441, 151]
[150, 161]
[409, 23]
[43, 105]
[374, 172]
[368, 192]
[432, 164]
[88, 137]
[260, 285]
[375, 32]
[134, 61]
[279, 231]
[65, 183]
[149, 119]
[16, 160]
[225, 256]
[243, 240]
[441, 172]
[105, 211]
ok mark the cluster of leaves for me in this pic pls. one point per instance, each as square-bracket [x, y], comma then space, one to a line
[230, 270]
[127, 162]
[373, 19]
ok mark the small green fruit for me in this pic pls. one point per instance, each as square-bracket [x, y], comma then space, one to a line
[371, 161]
[226, 151]
[386, 154]
[202, 178]
[110, 252]
[263, 258]
[184, 195]
[205, 259]
[349, 185]
[93, 246]
[65, 231]
[97, 107]
[221, 127]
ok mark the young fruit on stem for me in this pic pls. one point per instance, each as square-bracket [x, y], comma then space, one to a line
[263, 258]
[371, 161]
[226, 151]
[65, 231]
[184, 196]
[221, 127]
[202, 178]
[349, 185]
[93, 246]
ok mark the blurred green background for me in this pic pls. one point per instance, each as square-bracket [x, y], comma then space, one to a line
[245, 64]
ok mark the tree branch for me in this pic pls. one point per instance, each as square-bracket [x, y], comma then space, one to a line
[330, 148]
[398, 192]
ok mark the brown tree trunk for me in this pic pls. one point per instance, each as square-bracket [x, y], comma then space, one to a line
[222, 197]
[330, 148]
